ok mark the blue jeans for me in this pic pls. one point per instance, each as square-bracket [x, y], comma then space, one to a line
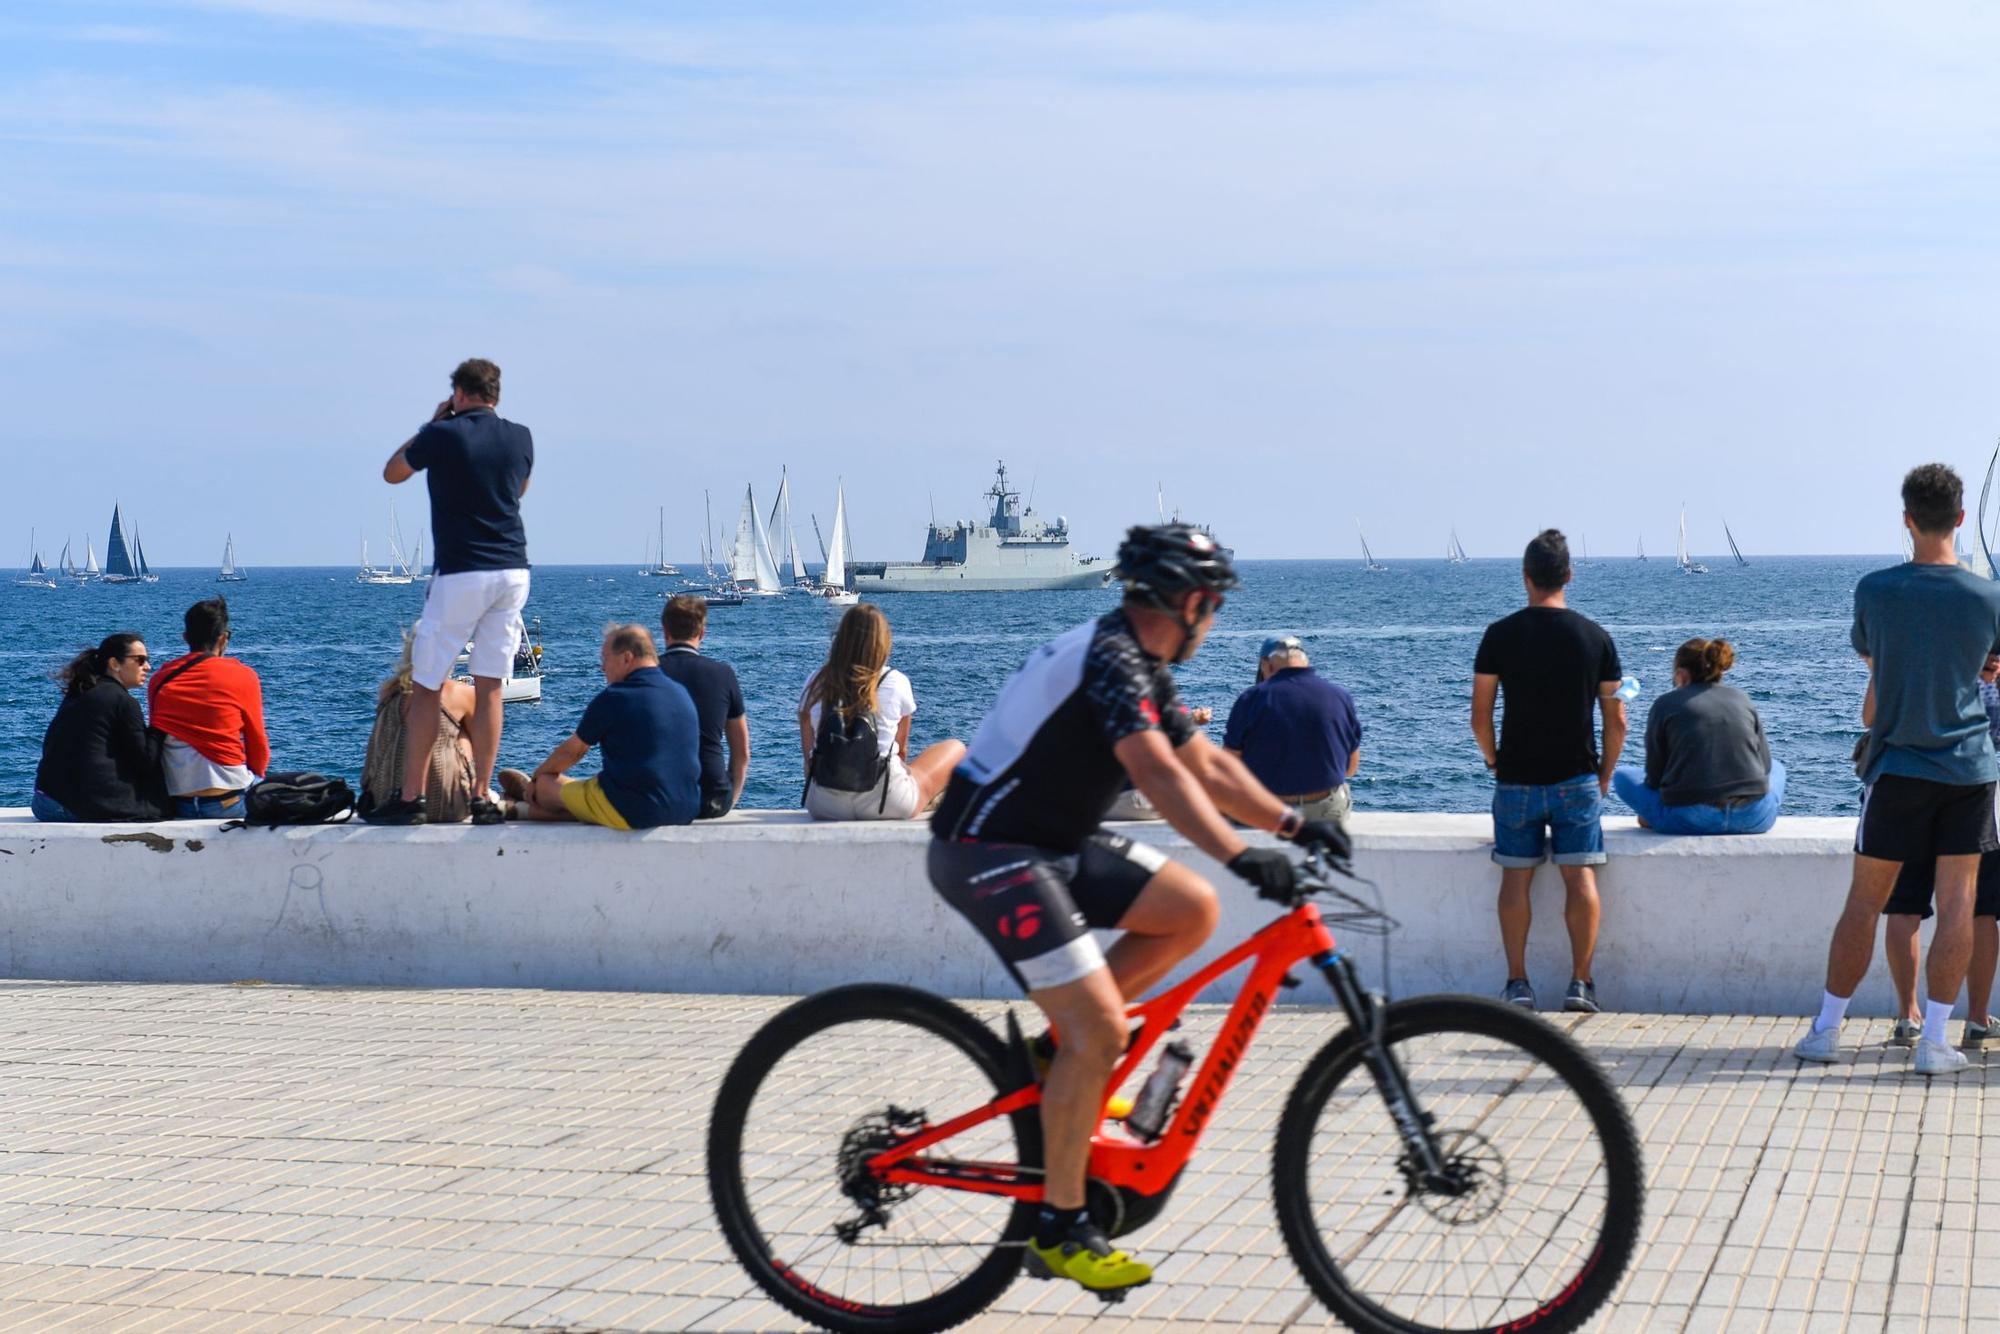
[1752, 817]
[1528, 817]
[50, 811]
[226, 807]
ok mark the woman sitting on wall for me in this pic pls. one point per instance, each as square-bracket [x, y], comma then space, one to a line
[448, 787]
[96, 761]
[854, 731]
[1708, 766]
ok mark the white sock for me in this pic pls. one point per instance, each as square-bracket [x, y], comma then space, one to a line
[1832, 1009]
[1935, 1013]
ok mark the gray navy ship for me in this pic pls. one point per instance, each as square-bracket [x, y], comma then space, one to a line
[1012, 551]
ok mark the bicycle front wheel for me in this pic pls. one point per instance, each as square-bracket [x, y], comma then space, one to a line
[1541, 1211]
[828, 1083]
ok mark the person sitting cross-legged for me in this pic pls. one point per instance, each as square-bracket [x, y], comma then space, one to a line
[1708, 764]
[650, 735]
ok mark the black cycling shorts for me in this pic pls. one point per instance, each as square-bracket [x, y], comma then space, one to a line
[1917, 882]
[1904, 819]
[1036, 908]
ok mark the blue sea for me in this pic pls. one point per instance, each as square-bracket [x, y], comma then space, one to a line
[1402, 641]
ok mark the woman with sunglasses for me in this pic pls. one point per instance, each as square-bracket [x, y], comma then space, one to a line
[96, 764]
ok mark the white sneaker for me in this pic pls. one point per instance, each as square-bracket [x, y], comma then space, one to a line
[1936, 1058]
[1817, 1046]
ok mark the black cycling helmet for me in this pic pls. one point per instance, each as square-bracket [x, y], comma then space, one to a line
[1161, 564]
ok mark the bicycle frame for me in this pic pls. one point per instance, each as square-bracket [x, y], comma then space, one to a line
[1149, 1170]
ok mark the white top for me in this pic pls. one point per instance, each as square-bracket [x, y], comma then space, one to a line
[188, 770]
[894, 701]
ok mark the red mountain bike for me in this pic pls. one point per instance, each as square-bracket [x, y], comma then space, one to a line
[1444, 1163]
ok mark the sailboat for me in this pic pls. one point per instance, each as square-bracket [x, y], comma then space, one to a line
[1681, 560]
[751, 568]
[1982, 554]
[1734, 550]
[1368, 562]
[781, 527]
[37, 574]
[833, 580]
[229, 574]
[1454, 551]
[397, 571]
[67, 564]
[1642, 548]
[118, 566]
[90, 570]
[656, 563]
[146, 575]
[720, 590]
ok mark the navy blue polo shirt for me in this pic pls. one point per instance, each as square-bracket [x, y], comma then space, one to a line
[1295, 731]
[475, 465]
[650, 736]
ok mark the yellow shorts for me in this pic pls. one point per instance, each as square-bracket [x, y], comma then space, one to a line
[585, 800]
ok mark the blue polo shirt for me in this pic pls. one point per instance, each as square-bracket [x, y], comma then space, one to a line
[475, 465]
[1295, 731]
[650, 737]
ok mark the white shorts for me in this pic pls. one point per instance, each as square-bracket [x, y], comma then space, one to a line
[898, 803]
[483, 606]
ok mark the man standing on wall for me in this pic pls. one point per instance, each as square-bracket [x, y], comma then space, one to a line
[1554, 667]
[477, 464]
[1928, 630]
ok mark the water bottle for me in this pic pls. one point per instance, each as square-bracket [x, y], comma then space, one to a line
[1148, 1116]
[1628, 689]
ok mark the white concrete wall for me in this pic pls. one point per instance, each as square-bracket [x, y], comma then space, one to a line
[770, 902]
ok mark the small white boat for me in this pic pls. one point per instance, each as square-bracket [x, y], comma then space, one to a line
[656, 561]
[523, 682]
[833, 579]
[782, 528]
[397, 571]
[1681, 560]
[751, 567]
[1454, 553]
[1368, 561]
[229, 574]
[36, 575]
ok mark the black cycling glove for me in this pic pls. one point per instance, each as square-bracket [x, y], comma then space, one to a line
[1328, 838]
[1270, 870]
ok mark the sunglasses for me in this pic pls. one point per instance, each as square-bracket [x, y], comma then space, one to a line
[139, 658]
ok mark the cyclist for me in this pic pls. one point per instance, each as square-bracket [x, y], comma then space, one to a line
[1018, 850]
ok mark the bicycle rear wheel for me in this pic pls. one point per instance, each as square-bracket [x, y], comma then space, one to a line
[1545, 1209]
[824, 1085]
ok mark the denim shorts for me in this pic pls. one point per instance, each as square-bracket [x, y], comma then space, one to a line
[1527, 817]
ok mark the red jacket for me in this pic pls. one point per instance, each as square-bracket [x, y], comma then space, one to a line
[216, 706]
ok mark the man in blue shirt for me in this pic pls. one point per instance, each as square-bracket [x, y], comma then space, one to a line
[477, 463]
[1929, 631]
[651, 737]
[1297, 732]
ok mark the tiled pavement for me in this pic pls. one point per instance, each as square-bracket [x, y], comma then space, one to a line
[256, 1157]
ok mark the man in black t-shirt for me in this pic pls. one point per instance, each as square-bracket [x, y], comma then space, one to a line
[1554, 667]
[477, 463]
[718, 700]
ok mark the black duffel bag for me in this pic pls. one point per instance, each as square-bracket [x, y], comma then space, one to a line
[296, 797]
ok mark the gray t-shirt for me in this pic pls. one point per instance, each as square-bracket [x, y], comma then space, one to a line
[1928, 630]
[1704, 744]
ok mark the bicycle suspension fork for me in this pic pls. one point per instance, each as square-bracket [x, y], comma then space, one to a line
[1367, 1013]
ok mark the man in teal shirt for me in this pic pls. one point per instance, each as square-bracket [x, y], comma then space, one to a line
[1929, 630]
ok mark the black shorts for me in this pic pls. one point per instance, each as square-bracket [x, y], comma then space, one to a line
[1917, 882]
[1905, 819]
[1036, 908]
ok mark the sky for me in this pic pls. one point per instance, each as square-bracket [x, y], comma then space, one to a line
[1301, 266]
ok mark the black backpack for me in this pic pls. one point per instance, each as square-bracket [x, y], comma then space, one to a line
[847, 753]
[296, 797]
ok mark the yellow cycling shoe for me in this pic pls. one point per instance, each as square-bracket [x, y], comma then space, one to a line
[1078, 1258]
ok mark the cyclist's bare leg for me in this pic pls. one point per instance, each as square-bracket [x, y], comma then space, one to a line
[1090, 1015]
[1515, 915]
[1173, 915]
[1580, 913]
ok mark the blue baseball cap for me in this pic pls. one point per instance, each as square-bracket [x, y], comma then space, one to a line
[1280, 644]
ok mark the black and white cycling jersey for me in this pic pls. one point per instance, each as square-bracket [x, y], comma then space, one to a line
[1041, 770]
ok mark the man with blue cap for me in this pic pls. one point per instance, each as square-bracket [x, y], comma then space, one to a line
[1297, 732]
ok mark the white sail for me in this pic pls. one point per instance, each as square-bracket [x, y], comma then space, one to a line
[750, 563]
[835, 575]
[90, 570]
[1681, 543]
[782, 529]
